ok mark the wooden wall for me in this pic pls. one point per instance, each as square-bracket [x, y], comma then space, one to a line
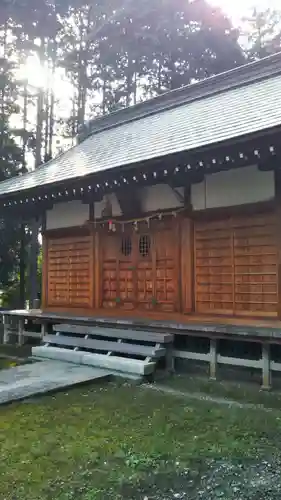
[67, 270]
[219, 264]
[236, 265]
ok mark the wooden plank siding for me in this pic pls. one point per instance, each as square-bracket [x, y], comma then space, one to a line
[70, 271]
[236, 266]
[224, 265]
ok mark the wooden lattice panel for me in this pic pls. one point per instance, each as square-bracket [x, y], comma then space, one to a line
[214, 267]
[255, 265]
[236, 266]
[166, 268]
[69, 271]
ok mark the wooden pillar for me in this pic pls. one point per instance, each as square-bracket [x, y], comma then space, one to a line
[21, 331]
[44, 292]
[186, 266]
[213, 359]
[92, 268]
[22, 265]
[170, 359]
[96, 274]
[277, 174]
[266, 371]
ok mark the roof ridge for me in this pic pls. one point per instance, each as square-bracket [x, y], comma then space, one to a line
[236, 77]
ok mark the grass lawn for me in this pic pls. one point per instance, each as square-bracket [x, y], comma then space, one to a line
[248, 393]
[6, 363]
[110, 441]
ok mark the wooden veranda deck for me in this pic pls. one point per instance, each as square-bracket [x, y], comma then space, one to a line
[256, 332]
[253, 328]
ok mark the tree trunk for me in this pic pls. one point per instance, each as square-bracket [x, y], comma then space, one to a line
[2, 90]
[52, 104]
[82, 73]
[135, 87]
[34, 247]
[51, 125]
[104, 96]
[47, 118]
[22, 227]
[159, 78]
[129, 80]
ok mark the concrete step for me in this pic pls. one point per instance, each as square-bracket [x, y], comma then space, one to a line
[111, 363]
[44, 376]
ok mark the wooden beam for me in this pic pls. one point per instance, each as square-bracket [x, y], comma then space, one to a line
[177, 194]
[97, 271]
[278, 234]
[91, 211]
[67, 231]
[92, 268]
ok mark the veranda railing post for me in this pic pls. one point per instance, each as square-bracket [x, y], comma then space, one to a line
[266, 371]
[170, 358]
[213, 359]
[44, 329]
[6, 330]
[21, 331]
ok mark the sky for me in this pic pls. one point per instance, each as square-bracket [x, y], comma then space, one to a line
[239, 8]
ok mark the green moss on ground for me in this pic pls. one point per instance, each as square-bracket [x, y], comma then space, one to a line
[6, 363]
[23, 351]
[102, 441]
[247, 393]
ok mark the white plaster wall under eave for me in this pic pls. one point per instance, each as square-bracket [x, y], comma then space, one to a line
[70, 214]
[161, 197]
[235, 187]
[153, 198]
[100, 205]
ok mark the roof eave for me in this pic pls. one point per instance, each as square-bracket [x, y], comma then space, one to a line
[180, 156]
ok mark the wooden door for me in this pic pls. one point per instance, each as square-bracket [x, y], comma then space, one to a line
[166, 266]
[140, 270]
[69, 268]
[236, 268]
[157, 266]
[118, 270]
[145, 272]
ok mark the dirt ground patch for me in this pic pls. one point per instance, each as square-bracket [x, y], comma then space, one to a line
[214, 480]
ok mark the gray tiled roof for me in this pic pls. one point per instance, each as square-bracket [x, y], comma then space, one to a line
[232, 113]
